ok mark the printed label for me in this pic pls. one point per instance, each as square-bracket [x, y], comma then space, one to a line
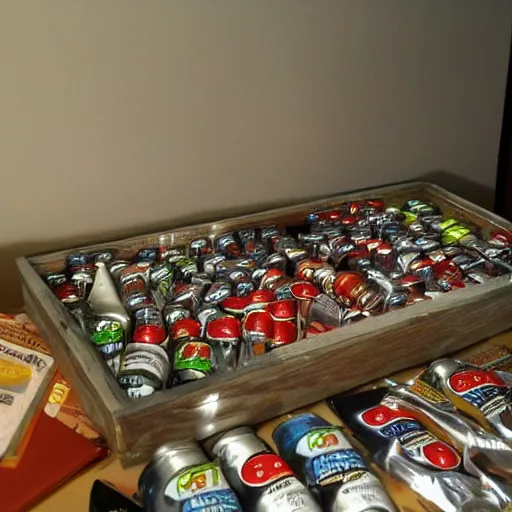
[23, 374]
[263, 469]
[326, 454]
[140, 391]
[288, 495]
[57, 398]
[388, 422]
[146, 367]
[330, 456]
[417, 443]
[427, 392]
[494, 358]
[107, 331]
[334, 466]
[216, 501]
[194, 355]
[31, 358]
[6, 398]
[438, 454]
[13, 375]
[400, 428]
[202, 489]
[157, 350]
[477, 386]
[321, 440]
[480, 396]
[361, 494]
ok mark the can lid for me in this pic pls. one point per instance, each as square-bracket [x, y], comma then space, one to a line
[234, 435]
[167, 461]
[183, 453]
[171, 458]
[228, 436]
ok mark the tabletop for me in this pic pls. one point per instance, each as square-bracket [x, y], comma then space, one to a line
[74, 495]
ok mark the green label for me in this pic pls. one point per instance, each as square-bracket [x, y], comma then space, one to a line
[322, 438]
[199, 478]
[409, 218]
[454, 234]
[107, 332]
[194, 355]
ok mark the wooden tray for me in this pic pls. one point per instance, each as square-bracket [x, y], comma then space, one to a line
[284, 379]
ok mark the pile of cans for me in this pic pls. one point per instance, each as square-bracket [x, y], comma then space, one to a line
[444, 435]
[177, 314]
[247, 476]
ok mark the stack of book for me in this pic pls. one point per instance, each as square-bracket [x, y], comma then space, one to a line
[45, 438]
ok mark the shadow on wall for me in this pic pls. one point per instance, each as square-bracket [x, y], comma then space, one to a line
[474, 192]
[10, 288]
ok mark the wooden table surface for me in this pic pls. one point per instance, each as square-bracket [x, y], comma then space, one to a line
[75, 494]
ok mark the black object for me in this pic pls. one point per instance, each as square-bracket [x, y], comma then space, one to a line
[503, 193]
[104, 498]
[350, 407]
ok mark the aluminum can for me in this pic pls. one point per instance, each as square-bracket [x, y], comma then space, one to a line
[401, 445]
[180, 478]
[263, 480]
[323, 458]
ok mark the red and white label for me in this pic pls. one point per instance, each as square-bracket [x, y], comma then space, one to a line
[467, 380]
[264, 469]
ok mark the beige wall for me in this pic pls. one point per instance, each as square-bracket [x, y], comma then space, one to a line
[120, 114]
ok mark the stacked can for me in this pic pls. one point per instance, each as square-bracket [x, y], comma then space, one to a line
[145, 366]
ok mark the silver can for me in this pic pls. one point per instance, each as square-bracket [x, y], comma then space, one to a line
[485, 393]
[324, 459]
[262, 479]
[180, 478]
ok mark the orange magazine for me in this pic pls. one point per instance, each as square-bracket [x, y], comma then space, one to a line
[59, 400]
[24, 378]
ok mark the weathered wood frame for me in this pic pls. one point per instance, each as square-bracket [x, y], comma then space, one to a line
[287, 378]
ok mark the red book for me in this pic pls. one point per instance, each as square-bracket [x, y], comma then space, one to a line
[53, 454]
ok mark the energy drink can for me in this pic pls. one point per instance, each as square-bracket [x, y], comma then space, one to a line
[192, 358]
[323, 458]
[180, 478]
[481, 394]
[378, 424]
[432, 406]
[262, 479]
[405, 449]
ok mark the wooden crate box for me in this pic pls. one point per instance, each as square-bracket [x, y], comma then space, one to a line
[283, 379]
